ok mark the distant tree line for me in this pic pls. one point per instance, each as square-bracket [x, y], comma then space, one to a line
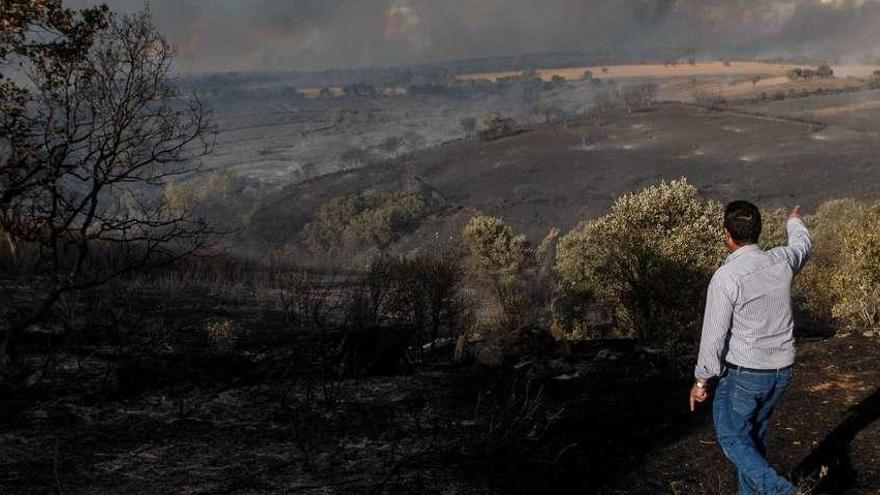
[822, 72]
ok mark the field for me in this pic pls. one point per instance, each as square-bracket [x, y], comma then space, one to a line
[659, 71]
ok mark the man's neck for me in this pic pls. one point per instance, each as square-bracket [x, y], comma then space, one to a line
[736, 247]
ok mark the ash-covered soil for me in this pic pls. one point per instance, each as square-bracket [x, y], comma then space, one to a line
[856, 111]
[152, 410]
[545, 177]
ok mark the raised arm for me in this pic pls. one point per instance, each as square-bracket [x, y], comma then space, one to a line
[800, 243]
[716, 327]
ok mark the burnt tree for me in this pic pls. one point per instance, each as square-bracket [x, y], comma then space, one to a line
[91, 130]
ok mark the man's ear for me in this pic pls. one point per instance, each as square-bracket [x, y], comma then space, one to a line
[728, 239]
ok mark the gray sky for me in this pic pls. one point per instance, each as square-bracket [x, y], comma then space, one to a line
[222, 35]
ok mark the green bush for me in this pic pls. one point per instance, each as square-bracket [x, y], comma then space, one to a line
[495, 127]
[856, 281]
[774, 232]
[364, 221]
[835, 288]
[495, 248]
[649, 261]
[512, 286]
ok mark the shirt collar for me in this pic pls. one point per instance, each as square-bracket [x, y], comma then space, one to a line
[741, 251]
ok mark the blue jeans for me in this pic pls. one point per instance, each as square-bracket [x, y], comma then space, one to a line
[744, 401]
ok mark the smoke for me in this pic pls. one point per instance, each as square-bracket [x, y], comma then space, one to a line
[311, 34]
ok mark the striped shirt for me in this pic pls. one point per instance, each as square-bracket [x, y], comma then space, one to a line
[748, 320]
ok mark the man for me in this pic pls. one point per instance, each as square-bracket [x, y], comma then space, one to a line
[748, 342]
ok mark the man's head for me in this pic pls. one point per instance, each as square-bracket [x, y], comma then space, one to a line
[742, 224]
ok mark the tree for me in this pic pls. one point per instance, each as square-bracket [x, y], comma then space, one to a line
[495, 248]
[588, 75]
[353, 158]
[495, 127]
[391, 145]
[468, 125]
[360, 89]
[547, 108]
[413, 140]
[649, 260]
[709, 100]
[794, 74]
[755, 80]
[825, 71]
[91, 131]
[638, 96]
[601, 107]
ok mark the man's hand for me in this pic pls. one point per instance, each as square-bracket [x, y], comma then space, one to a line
[796, 213]
[699, 394]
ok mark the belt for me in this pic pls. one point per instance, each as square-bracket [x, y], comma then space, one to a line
[751, 370]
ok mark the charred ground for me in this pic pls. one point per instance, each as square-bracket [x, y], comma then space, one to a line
[156, 408]
[545, 177]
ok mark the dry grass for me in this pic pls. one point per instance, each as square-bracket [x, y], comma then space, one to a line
[844, 109]
[650, 70]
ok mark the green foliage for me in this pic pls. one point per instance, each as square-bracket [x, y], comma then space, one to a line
[495, 248]
[856, 283]
[774, 231]
[495, 127]
[709, 101]
[364, 220]
[825, 71]
[822, 72]
[839, 287]
[649, 261]
[511, 285]
[638, 96]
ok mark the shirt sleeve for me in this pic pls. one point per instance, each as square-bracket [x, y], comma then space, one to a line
[716, 327]
[800, 245]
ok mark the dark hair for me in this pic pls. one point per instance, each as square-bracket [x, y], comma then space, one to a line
[743, 220]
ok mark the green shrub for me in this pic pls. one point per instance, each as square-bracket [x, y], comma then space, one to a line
[856, 283]
[363, 221]
[512, 286]
[825, 71]
[838, 288]
[495, 248]
[649, 261]
[495, 127]
[774, 232]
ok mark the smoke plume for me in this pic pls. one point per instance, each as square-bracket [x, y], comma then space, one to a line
[221, 35]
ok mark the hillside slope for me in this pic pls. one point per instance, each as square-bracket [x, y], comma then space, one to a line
[545, 177]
